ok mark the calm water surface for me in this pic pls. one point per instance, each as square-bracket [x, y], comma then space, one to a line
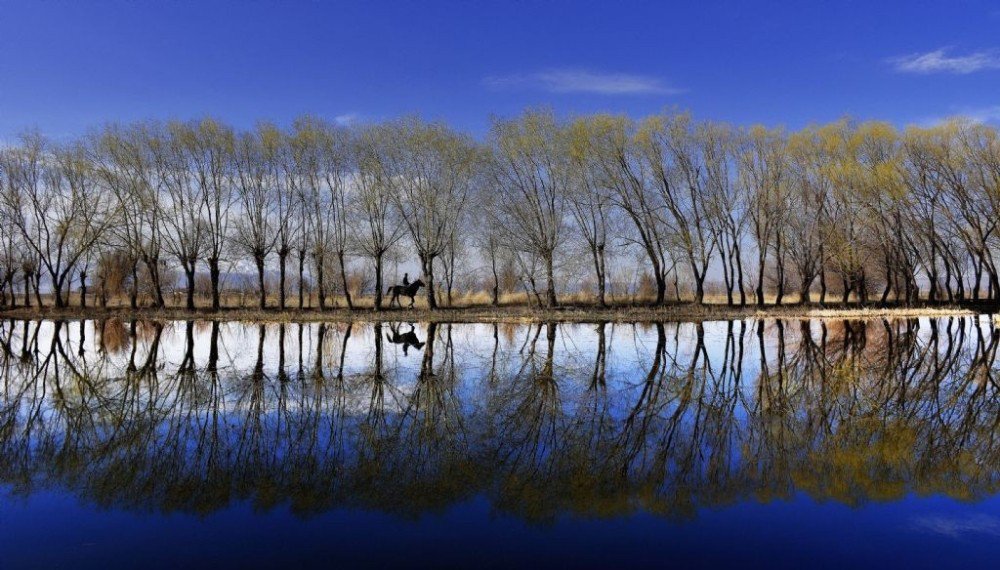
[750, 443]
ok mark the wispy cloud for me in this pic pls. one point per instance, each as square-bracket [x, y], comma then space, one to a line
[988, 114]
[983, 114]
[347, 119]
[941, 61]
[583, 81]
[957, 527]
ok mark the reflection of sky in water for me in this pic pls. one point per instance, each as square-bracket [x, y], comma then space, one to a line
[794, 443]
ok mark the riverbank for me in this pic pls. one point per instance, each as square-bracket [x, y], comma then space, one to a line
[512, 313]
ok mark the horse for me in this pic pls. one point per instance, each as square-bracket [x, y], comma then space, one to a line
[407, 339]
[410, 291]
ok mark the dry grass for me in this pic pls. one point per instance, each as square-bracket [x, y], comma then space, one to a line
[890, 312]
[477, 308]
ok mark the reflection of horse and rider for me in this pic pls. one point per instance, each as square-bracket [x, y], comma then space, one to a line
[407, 289]
[406, 339]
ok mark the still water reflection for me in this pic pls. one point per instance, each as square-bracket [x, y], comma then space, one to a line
[786, 442]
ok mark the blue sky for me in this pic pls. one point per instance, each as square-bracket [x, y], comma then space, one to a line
[67, 66]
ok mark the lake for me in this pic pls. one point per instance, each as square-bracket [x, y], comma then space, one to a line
[758, 442]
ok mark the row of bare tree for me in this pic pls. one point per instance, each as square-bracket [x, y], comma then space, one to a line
[849, 208]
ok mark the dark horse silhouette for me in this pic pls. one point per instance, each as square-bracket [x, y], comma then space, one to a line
[406, 339]
[410, 291]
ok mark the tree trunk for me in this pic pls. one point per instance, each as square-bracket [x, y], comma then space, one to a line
[259, 261]
[83, 289]
[133, 292]
[378, 281]
[804, 295]
[38, 287]
[320, 284]
[57, 293]
[822, 286]
[213, 270]
[302, 273]
[153, 266]
[761, 260]
[496, 280]
[781, 283]
[343, 279]
[550, 286]
[947, 280]
[661, 287]
[978, 272]
[888, 284]
[728, 273]
[427, 263]
[189, 274]
[602, 289]
[282, 258]
[599, 270]
[739, 277]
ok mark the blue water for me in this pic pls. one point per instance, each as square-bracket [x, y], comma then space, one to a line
[821, 445]
[51, 529]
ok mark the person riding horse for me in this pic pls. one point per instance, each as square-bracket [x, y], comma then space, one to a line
[404, 290]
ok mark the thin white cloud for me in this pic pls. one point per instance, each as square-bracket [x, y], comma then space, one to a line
[941, 61]
[583, 81]
[978, 115]
[347, 119]
[957, 527]
[982, 114]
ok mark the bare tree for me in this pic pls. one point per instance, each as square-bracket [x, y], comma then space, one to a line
[288, 225]
[590, 197]
[125, 158]
[324, 165]
[532, 171]
[668, 148]
[615, 149]
[182, 202]
[376, 228]
[53, 198]
[253, 231]
[429, 170]
[209, 146]
[763, 174]
[808, 197]
[9, 258]
[727, 202]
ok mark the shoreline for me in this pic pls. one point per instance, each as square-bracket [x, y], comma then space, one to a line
[513, 313]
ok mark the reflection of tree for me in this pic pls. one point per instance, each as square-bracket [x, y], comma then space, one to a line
[425, 451]
[844, 411]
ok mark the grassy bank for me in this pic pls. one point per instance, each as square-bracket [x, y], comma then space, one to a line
[513, 313]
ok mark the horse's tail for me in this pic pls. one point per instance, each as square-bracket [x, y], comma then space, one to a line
[389, 290]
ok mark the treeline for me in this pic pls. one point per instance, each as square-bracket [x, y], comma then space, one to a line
[544, 205]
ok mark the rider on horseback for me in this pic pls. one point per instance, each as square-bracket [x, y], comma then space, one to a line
[406, 290]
